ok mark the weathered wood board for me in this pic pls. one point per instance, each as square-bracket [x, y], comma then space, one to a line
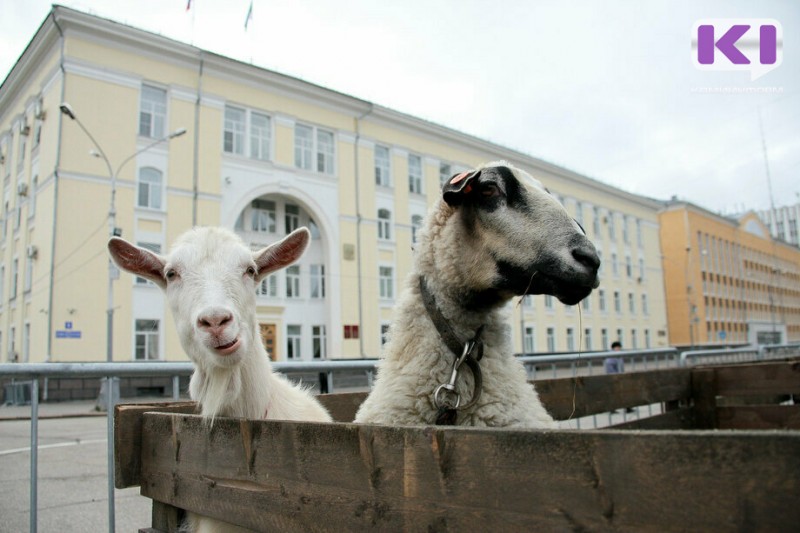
[289, 476]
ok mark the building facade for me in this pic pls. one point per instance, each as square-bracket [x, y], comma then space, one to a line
[263, 154]
[783, 223]
[727, 280]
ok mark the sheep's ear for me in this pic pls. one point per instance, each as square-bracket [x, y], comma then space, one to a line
[281, 254]
[137, 260]
[459, 186]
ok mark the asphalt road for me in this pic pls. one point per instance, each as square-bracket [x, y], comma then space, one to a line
[72, 489]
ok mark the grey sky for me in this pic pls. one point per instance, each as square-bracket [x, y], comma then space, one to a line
[606, 88]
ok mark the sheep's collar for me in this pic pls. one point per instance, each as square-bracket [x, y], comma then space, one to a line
[445, 397]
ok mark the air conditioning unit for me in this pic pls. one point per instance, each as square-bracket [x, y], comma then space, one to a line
[24, 129]
[22, 188]
[32, 251]
[38, 111]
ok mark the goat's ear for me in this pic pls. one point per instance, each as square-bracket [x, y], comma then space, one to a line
[459, 186]
[137, 260]
[281, 254]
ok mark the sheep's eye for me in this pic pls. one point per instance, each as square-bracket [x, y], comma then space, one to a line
[489, 190]
[251, 271]
[171, 274]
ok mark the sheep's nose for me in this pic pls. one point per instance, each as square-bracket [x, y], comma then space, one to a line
[586, 255]
[214, 321]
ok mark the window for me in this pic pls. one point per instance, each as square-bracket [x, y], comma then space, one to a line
[260, 135]
[551, 340]
[325, 152]
[579, 213]
[291, 218]
[293, 335]
[587, 339]
[631, 303]
[268, 287]
[14, 279]
[27, 279]
[153, 247]
[625, 234]
[416, 226]
[318, 342]
[317, 281]
[384, 334]
[604, 338]
[628, 266]
[645, 309]
[146, 340]
[619, 335]
[313, 229]
[263, 216]
[303, 146]
[548, 301]
[384, 224]
[647, 339]
[152, 112]
[634, 339]
[617, 302]
[23, 143]
[386, 282]
[596, 221]
[614, 264]
[570, 340]
[150, 185]
[293, 281]
[641, 269]
[445, 171]
[307, 144]
[612, 234]
[639, 233]
[383, 166]
[587, 304]
[415, 174]
[529, 340]
[32, 196]
[234, 130]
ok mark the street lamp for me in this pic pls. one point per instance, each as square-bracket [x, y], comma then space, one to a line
[67, 110]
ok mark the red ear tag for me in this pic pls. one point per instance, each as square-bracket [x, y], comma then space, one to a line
[458, 178]
[467, 189]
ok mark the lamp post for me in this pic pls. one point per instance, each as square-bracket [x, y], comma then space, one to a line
[111, 391]
[67, 110]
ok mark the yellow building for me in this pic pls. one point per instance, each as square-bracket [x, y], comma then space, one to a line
[727, 280]
[263, 153]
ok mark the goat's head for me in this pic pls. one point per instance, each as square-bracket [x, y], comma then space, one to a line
[515, 238]
[210, 279]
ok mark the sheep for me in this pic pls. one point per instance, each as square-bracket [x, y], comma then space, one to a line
[210, 280]
[495, 233]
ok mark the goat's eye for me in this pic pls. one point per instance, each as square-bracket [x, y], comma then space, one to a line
[251, 271]
[171, 274]
[489, 190]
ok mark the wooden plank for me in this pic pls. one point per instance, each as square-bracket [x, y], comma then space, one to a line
[342, 406]
[291, 476]
[166, 518]
[682, 418]
[762, 379]
[602, 393]
[128, 437]
[759, 417]
[704, 397]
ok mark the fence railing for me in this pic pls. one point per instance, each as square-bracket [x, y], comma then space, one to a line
[562, 365]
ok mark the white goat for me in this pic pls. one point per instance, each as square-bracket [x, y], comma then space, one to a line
[495, 234]
[210, 280]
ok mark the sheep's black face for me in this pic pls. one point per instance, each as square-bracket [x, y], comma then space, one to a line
[518, 239]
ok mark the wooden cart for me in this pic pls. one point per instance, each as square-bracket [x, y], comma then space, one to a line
[723, 457]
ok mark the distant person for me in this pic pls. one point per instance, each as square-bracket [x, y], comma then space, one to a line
[614, 365]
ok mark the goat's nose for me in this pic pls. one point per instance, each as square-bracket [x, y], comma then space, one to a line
[586, 255]
[214, 321]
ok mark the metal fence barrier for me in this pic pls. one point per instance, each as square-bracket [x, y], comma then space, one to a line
[563, 365]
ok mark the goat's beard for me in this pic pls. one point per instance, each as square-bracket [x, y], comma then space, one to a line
[216, 387]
